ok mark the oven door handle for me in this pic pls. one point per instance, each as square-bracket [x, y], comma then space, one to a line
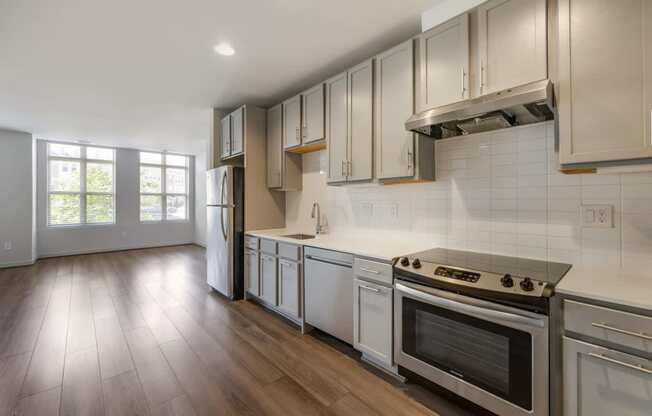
[469, 309]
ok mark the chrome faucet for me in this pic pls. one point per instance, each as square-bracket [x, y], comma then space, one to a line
[318, 226]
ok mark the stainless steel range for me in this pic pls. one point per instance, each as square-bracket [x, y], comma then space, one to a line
[477, 325]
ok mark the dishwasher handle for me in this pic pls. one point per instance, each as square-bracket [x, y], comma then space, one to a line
[329, 261]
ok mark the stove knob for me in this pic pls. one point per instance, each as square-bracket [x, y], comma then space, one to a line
[507, 280]
[416, 263]
[527, 285]
[405, 261]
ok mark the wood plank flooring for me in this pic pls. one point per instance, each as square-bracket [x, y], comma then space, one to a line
[140, 333]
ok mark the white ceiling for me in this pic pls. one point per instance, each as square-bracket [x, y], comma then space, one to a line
[143, 74]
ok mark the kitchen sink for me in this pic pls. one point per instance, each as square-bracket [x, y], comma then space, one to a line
[299, 236]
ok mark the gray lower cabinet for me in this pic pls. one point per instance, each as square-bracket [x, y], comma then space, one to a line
[252, 272]
[289, 288]
[372, 320]
[268, 275]
[603, 382]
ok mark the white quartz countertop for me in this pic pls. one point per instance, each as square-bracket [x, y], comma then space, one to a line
[613, 285]
[383, 246]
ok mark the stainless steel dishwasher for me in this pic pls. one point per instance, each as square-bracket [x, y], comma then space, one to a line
[329, 292]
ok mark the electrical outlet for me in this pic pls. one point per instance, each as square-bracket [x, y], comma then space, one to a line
[597, 216]
[9, 245]
[367, 209]
[393, 210]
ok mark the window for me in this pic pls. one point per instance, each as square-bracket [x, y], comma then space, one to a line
[163, 187]
[80, 185]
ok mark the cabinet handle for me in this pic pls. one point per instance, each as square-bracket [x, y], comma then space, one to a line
[622, 331]
[463, 83]
[369, 288]
[364, 269]
[343, 174]
[410, 160]
[297, 133]
[482, 78]
[349, 170]
[620, 363]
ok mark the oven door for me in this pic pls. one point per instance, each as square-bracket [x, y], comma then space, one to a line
[493, 355]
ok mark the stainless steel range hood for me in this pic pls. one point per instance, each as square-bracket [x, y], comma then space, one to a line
[526, 104]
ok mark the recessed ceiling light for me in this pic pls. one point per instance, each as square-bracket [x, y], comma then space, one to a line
[224, 49]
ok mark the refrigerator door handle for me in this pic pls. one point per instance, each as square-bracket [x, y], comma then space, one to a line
[222, 207]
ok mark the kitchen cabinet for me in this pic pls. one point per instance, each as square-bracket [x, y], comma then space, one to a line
[443, 75]
[292, 122]
[349, 124]
[289, 287]
[399, 154]
[602, 382]
[237, 131]
[268, 274]
[225, 137]
[312, 107]
[372, 331]
[512, 43]
[604, 95]
[284, 170]
[251, 272]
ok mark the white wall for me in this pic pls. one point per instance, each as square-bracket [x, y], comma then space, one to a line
[497, 192]
[16, 192]
[201, 162]
[127, 233]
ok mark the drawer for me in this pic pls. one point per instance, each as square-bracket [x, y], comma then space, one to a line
[268, 246]
[251, 242]
[289, 251]
[373, 270]
[623, 328]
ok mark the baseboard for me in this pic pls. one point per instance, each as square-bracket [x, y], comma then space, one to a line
[112, 249]
[17, 264]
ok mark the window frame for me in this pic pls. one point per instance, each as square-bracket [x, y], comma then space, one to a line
[163, 166]
[82, 193]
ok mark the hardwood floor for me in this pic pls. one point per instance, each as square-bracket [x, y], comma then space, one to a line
[139, 333]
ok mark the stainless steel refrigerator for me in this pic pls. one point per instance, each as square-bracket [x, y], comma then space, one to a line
[225, 230]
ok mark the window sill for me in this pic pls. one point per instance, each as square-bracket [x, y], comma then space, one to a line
[165, 222]
[80, 226]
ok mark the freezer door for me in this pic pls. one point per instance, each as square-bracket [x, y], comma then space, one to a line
[219, 249]
[219, 186]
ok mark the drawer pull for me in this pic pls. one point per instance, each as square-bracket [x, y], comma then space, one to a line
[371, 289]
[364, 269]
[622, 331]
[620, 363]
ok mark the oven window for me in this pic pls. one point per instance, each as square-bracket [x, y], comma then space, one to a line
[493, 357]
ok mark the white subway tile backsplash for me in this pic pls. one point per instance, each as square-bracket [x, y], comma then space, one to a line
[498, 192]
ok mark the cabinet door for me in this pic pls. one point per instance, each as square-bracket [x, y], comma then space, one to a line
[512, 43]
[394, 94]
[292, 122]
[605, 80]
[360, 122]
[372, 318]
[289, 286]
[251, 270]
[225, 137]
[313, 114]
[268, 279]
[274, 146]
[444, 64]
[237, 131]
[603, 382]
[336, 127]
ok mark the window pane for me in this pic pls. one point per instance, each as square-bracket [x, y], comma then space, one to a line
[99, 177]
[99, 209]
[154, 158]
[99, 153]
[150, 208]
[176, 207]
[65, 150]
[64, 176]
[150, 179]
[64, 209]
[175, 181]
[175, 160]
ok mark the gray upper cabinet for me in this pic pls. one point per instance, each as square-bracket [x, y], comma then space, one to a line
[225, 137]
[312, 106]
[360, 121]
[444, 64]
[512, 41]
[605, 80]
[336, 127]
[394, 96]
[274, 146]
[292, 122]
[237, 131]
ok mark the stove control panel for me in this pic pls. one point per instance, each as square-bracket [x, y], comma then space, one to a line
[452, 273]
